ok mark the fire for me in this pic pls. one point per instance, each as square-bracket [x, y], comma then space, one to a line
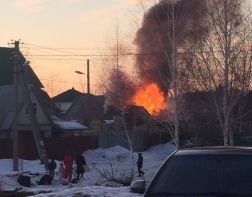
[150, 97]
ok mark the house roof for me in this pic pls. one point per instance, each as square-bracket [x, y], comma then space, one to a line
[86, 108]
[67, 96]
[48, 105]
[7, 68]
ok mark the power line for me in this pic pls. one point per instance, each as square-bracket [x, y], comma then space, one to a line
[75, 49]
[60, 81]
[123, 54]
[90, 55]
[35, 46]
[75, 59]
[125, 48]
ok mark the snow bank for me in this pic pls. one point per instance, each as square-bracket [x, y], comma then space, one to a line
[92, 191]
[113, 153]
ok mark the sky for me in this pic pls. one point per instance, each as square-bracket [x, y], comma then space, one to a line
[58, 36]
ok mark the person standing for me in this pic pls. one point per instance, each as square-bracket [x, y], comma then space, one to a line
[80, 162]
[68, 162]
[140, 164]
[51, 167]
[61, 172]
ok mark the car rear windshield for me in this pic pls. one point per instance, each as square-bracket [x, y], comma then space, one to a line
[195, 174]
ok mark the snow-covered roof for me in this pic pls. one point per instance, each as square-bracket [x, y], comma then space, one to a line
[69, 125]
[109, 121]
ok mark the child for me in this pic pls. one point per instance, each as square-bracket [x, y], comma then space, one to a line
[61, 172]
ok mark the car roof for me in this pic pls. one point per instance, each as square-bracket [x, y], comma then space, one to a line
[215, 150]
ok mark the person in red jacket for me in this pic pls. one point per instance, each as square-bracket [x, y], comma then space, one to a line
[68, 162]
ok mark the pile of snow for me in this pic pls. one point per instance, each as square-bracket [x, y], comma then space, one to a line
[113, 153]
[27, 166]
[160, 151]
[8, 183]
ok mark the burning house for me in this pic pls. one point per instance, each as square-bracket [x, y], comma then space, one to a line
[143, 129]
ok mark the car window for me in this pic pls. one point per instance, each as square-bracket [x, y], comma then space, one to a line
[198, 174]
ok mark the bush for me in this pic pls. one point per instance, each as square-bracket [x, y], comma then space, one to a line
[116, 175]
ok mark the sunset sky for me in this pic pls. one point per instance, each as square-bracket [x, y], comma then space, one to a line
[82, 28]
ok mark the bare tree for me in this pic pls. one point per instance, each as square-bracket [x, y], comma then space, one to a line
[221, 63]
[119, 88]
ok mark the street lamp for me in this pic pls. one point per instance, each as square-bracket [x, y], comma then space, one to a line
[80, 73]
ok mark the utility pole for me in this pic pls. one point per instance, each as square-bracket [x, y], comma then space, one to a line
[27, 100]
[174, 78]
[15, 137]
[88, 78]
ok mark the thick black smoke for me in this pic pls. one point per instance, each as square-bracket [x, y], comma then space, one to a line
[120, 89]
[154, 38]
[154, 42]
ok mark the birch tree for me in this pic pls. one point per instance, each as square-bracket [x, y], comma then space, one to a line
[221, 61]
[119, 88]
[168, 27]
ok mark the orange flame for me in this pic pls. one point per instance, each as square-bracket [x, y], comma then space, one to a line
[151, 98]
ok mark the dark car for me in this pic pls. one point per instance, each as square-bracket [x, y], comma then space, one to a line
[212, 172]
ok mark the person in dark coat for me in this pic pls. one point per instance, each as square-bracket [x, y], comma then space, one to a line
[51, 167]
[80, 162]
[140, 164]
[46, 179]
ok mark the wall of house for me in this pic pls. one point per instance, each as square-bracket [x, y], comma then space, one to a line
[64, 106]
[142, 137]
[110, 136]
[42, 119]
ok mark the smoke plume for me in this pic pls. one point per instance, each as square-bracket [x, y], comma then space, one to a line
[154, 42]
[154, 38]
[120, 88]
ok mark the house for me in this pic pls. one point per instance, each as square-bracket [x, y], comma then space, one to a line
[58, 135]
[87, 109]
[143, 130]
[9, 95]
[65, 99]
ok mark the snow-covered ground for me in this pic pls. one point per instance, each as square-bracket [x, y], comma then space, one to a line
[93, 183]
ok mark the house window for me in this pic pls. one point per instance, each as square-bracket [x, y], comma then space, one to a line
[34, 108]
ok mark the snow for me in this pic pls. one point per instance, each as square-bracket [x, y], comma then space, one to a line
[109, 121]
[93, 183]
[69, 124]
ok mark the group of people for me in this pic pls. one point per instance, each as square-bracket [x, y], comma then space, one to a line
[65, 169]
